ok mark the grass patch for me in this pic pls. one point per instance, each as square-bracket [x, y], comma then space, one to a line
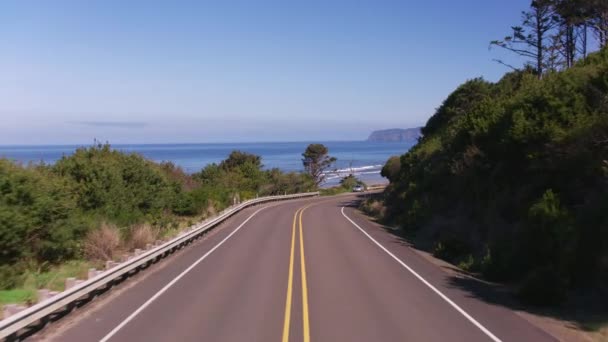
[17, 296]
[54, 278]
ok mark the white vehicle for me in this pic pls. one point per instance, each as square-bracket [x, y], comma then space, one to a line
[358, 188]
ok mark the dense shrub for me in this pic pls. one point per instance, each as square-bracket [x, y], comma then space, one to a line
[523, 161]
[186, 204]
[36, 218]
[99, 201]
[125, 188]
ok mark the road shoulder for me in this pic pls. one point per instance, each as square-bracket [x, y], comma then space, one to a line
[562, 330]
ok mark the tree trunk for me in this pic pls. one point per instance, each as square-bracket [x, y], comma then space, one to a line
[604, 31]
[539, 45]
[569, 45]
[584, 47]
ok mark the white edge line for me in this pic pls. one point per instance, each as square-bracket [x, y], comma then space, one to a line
[444, 297]
[175, 280]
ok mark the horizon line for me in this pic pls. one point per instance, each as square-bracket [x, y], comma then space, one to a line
[191, 143]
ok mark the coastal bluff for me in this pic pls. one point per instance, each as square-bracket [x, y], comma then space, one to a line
[395, 135]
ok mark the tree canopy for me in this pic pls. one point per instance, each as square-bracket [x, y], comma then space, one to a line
[554, 34]
[512, 178]
[316, 161]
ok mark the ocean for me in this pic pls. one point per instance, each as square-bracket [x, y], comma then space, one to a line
[364, 159]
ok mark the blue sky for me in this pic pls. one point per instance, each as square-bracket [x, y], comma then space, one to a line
[230, 71]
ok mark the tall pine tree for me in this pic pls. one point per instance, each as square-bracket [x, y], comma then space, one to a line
[530, 39]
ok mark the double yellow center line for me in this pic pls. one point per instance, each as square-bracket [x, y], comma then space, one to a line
[297, 218]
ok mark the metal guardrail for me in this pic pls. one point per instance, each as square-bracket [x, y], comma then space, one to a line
[36, 313]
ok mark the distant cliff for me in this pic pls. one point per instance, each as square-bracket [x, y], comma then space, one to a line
[395, 135]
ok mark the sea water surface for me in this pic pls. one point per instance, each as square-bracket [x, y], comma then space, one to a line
[364, 159]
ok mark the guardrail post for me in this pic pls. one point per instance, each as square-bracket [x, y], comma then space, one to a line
[70, 282]
[92, 273]
[8, 310]
[43, 294]
[11, 309]
[110, 264]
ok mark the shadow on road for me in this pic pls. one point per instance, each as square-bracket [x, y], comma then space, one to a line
[587, 310]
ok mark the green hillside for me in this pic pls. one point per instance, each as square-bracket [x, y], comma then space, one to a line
[511, 179]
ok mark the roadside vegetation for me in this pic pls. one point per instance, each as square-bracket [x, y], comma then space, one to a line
[511, 180]
[346, 185]
[97, 204]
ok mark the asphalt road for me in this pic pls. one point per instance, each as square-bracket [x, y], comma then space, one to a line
[304, 270]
